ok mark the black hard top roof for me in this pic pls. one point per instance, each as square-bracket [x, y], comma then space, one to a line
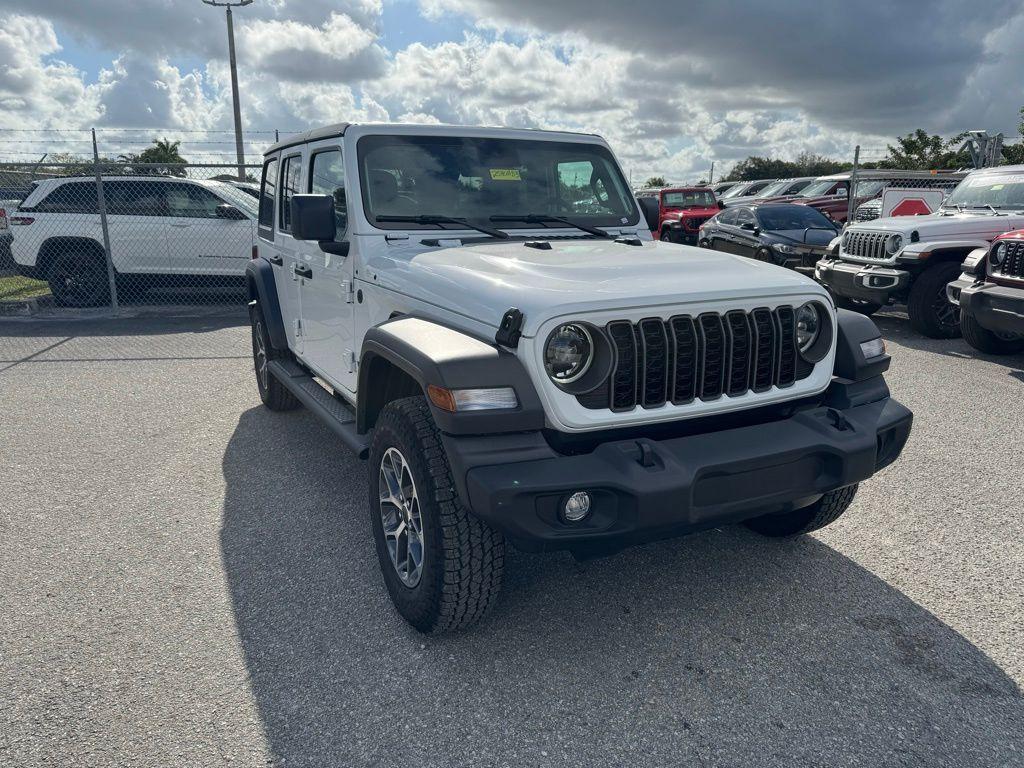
[326, 132]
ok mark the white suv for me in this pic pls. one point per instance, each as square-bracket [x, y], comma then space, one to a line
[519, 368]
[163, 231]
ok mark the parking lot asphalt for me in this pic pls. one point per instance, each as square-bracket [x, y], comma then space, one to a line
[188, 579]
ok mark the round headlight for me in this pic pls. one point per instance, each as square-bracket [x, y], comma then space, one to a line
[568, 353]
[808, 324]
[894, 243]
[846, 240]
[999, 254]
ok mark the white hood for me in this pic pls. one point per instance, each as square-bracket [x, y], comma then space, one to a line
[485, 280]
[938, 226]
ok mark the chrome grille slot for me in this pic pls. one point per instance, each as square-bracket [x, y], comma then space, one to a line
[866, 245]
[1013, 264]
[706, 357]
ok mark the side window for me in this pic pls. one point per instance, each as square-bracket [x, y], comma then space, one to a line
[134, 198]
[744, 216]
[268, 193]
[728, 217]
[78, 197]
[191, 202]
[327, 177]
[291, 172]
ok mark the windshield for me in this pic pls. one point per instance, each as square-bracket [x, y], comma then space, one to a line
[775, 188]
[870, 188]
[780, 218]
[736, 191]
[696, 198]
[235, 196]
[999, 190]
[817, 188]
[478, 178]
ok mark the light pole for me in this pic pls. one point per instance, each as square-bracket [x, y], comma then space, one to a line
[234, 78]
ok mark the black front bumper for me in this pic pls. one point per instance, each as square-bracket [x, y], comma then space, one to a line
[643, 489]
[996, 308]
[867, 282]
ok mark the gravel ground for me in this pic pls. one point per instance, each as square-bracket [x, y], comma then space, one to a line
[187, 579]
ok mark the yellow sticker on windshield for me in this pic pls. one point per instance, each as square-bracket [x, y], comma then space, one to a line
[997, 186]
[505, 174]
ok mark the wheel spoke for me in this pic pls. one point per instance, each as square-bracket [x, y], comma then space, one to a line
[400, 517]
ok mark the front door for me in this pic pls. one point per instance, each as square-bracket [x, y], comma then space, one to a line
[745, 242]
[287, 248]
[199, 241]
[327, 295]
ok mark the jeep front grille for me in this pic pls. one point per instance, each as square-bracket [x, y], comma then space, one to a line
[1013, 264]
[865, 245]
[688, 358]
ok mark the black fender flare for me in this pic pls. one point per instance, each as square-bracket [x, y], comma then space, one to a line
[434, 354]
[259, 282]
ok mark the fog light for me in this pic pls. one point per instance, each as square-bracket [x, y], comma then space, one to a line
[577, 507]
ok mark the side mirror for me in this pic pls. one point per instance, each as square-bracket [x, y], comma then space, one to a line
[720, 204]
[226, 211]
[651, 210]
[313, 217]
[749, 226]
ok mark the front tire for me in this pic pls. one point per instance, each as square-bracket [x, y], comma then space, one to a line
[442, 566]
[666, 236]
[273, 393]
[930, 312]
[987, 341]
[824, 511]
[866, 308]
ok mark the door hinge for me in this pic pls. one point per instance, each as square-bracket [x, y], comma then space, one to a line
[350, 358]
[298, 327]
[349, 289]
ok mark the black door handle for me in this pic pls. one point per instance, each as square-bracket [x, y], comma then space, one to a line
[304, 270]
[275, 259]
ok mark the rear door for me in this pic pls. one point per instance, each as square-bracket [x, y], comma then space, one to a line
[723, 235]
[744, 241]
[199, 241]
[327, 308]
[138, 232]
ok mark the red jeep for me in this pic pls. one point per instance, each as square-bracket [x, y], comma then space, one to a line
[682, 211]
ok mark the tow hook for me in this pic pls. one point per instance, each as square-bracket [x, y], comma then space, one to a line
[839, 421]
[646, 458]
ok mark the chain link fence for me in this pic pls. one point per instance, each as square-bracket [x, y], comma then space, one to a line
[127, 233]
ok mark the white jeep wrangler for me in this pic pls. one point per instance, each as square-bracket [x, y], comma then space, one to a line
[914, 258]
[483, 314]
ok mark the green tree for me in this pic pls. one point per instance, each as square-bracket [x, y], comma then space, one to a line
[920, 151]
[163, 153]
[1014, 153]
[655, 181]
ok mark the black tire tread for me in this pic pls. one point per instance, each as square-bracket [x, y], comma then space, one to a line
[473, 553]
[922, 293]
[277, 397]
[823, 512]
[984, 340]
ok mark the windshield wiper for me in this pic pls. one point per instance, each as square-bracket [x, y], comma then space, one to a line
[542, 218]
[438, 220]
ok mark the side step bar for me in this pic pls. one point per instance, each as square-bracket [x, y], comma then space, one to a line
[337, 415]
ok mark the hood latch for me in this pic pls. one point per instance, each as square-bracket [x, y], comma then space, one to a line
[510, 329]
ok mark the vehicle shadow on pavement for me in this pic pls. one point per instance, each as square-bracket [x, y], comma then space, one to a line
[895, 327]
[720, 648]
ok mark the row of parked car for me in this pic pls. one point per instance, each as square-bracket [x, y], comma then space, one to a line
[959, 269]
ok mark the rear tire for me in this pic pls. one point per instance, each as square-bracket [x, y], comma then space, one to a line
[931, 313]
[825, 510]
[273, 393]
[985, 340]
[458, 576]
[78, 278]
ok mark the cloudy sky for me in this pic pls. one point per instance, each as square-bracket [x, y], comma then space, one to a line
[672, 85]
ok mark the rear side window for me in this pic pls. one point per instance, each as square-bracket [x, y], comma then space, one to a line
[327, 177]
[291, 172]
[268, 193]
[77, 197]
[134, 198]
[727, 216]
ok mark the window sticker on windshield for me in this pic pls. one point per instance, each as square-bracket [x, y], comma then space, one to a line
[505, 174]
[997, 186]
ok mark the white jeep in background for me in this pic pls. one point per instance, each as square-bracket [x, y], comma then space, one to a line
[519, 370]
[912, 258]
[163, 231]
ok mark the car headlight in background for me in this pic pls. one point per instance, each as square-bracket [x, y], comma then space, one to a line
[783, 248]
[998, 254]
[568, 353]
[808, 324]
[893, 244]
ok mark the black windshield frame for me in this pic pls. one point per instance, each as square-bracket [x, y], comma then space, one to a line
[626, 213]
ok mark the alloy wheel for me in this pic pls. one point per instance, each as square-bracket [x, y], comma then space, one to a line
[400, 517]
[261, 356]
